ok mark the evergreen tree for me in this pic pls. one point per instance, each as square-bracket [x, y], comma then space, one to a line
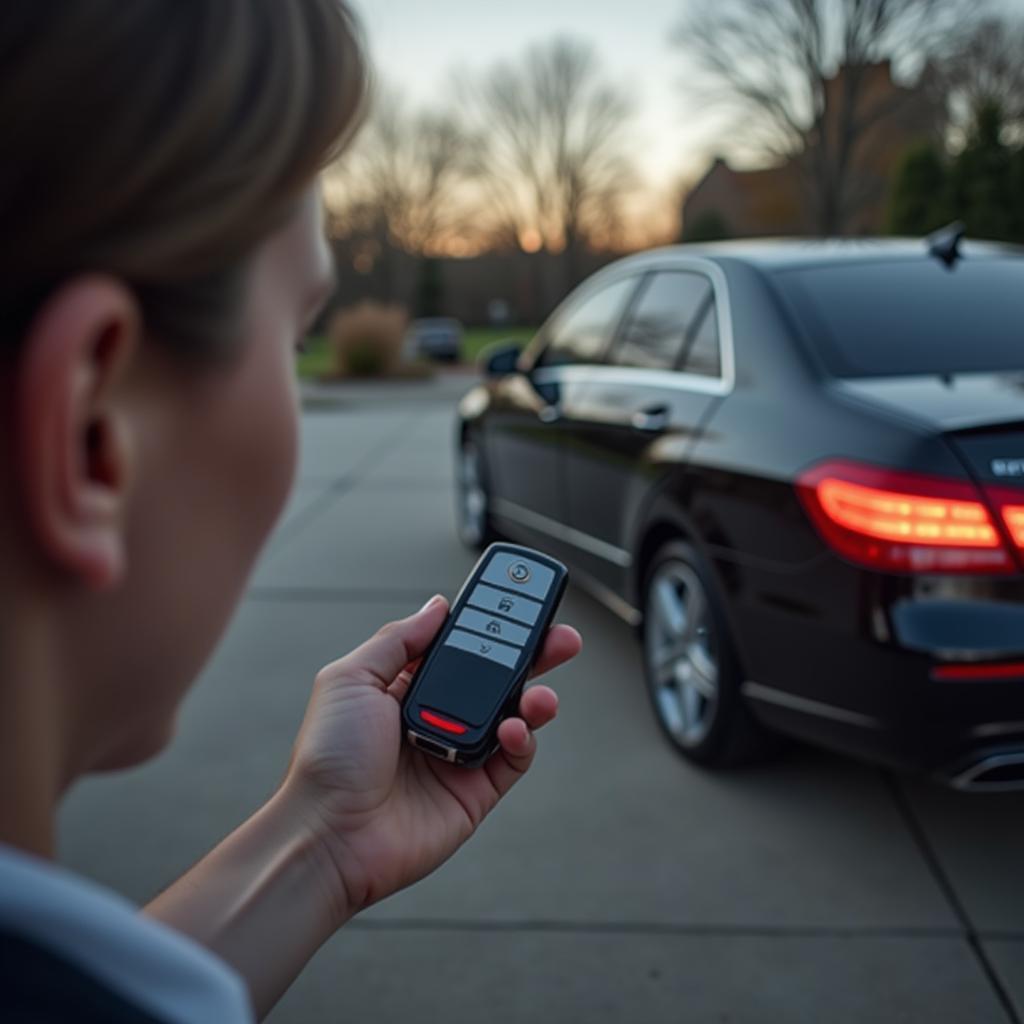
[1017, 190]
[429, 288]
[981, 179]
[918, 203]
[709, 226]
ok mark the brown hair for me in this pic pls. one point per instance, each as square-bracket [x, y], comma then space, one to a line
[160, 141]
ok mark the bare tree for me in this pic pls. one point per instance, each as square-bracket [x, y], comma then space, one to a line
[550, 161]
[403, 175]
[985, 67]
[776, 61]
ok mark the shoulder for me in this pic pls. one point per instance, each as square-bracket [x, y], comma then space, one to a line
[71, 951]
[40, 986]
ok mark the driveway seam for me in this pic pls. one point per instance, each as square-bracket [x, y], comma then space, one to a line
[328, 595]
[945, 884]
[340, 486]
[655, 928]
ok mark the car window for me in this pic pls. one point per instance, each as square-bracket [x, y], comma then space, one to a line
[662, 320]
[581, 334]
[889, 318]
[704, 355]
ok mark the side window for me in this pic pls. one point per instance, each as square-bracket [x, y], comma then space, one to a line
[582, 333]
[704, 355]
[662, 320]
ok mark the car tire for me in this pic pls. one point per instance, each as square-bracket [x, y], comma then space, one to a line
[472, 501]
[691, 666]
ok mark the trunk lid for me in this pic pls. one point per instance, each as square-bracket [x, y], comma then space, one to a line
[968, 401]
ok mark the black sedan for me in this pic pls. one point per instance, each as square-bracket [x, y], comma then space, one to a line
[798, 469]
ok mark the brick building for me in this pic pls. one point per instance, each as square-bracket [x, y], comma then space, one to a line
[777, 201]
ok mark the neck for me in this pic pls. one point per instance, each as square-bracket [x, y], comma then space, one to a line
[31, 722]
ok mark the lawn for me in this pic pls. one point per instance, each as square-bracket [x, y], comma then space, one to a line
[315, 362]
[477, 338]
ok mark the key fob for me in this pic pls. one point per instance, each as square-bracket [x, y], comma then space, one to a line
[473, 673]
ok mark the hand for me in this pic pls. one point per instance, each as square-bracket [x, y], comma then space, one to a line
[386, 813]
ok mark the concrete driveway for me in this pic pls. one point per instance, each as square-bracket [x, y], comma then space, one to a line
[616, 883]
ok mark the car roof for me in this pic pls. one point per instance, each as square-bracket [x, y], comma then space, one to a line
[792, 253]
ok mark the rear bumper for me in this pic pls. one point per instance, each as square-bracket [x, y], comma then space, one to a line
[854, 668]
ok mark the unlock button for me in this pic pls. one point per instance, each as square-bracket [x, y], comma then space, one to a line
[492, 625]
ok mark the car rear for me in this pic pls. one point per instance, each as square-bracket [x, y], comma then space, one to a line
[936, 540]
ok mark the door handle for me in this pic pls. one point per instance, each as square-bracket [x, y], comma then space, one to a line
[548, 413]
[651, 420]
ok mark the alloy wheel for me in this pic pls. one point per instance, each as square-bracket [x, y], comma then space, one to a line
[679, 643]
[472, 498]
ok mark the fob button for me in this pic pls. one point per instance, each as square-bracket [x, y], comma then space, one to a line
[512, 606]
[432, 718]
[484, 647]
[507, 570]
[463, 686]
[493, 625]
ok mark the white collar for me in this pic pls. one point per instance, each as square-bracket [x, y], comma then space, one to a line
[146, 962]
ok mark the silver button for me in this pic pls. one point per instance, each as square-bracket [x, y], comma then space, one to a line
[503, 568]
[513, 606]
[493, 626]
[483, 647]
[518, 572]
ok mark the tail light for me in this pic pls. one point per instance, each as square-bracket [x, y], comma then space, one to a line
[906, 522]
[1010, 505]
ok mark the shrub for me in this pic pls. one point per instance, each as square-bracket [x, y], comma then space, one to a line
[366, 340]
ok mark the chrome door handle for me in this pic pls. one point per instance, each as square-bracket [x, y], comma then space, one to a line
[651, 420]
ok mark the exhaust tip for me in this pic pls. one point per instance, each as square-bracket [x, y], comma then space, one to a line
[994, 773]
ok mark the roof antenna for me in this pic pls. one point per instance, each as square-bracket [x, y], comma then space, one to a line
[945, 243]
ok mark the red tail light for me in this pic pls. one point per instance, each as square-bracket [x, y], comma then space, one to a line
[1010, 505]
[905, 522]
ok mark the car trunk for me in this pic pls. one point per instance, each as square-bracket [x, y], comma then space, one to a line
[981, 416]
[950, 404]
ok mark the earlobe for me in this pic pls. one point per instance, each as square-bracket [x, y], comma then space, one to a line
[73, 444]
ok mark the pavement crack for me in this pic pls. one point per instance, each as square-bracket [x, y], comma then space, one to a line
[941, 877]
[365, 595]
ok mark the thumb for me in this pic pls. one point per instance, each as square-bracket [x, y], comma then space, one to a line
[392, 647]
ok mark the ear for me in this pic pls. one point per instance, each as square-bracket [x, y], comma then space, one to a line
[73, 438]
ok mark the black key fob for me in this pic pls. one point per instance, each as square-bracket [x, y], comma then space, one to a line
[472, 675]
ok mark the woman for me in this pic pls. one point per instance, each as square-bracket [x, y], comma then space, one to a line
[162, 252]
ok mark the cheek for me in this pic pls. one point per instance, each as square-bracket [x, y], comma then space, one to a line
[213, 476]
[222, 481]
[257, 435]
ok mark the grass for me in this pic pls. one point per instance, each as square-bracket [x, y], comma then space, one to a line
[477, 338]
[316, 362]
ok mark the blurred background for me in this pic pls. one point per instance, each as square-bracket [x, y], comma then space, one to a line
[510, 151]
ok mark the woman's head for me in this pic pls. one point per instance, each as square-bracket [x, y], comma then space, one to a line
[162, 250]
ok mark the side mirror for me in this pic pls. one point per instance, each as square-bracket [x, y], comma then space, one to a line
[499, 359]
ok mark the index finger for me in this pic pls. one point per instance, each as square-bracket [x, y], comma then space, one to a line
[560, 645]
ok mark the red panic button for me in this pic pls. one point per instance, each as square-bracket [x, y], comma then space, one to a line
[441, 723]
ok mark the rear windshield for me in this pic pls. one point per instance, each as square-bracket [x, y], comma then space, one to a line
[892, 319]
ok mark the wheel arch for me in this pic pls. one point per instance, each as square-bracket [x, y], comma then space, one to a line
[666, 523]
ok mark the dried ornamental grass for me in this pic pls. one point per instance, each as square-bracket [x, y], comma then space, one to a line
[366, 340]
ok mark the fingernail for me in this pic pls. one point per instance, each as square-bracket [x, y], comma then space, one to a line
[432, 601]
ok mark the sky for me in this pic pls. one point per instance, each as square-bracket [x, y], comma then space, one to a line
[416, 45]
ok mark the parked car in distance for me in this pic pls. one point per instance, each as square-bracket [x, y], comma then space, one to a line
[437, 337]
[798, 469]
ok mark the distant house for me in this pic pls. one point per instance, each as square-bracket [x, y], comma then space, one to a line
[776, 201]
